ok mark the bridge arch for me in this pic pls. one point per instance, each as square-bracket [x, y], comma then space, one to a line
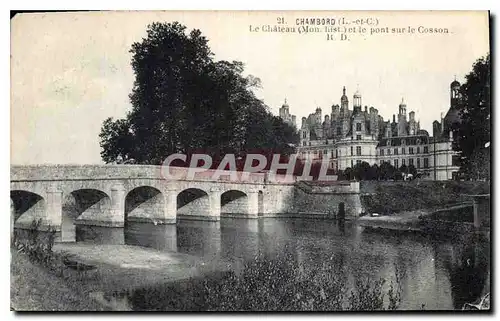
[234, 202]
[144, 204]
[84, 204]
[193, 202]
[26, 206]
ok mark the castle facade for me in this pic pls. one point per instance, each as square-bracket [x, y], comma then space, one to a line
[350, 136]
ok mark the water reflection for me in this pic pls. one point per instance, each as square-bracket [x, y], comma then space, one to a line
[432, 273]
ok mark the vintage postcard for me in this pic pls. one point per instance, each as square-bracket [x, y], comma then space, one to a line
[250, 161]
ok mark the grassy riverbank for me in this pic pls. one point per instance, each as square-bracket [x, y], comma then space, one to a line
[393, 197]
[34, 288]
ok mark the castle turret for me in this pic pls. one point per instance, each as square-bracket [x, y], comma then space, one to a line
[402, 125]
[357, 101]
[454, 94]
[344, 102]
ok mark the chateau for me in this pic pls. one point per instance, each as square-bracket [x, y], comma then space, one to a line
[348, 137]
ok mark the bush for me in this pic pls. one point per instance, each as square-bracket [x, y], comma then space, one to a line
[37, 245]
[265, 284]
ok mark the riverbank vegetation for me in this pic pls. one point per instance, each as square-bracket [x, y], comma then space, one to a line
[392, 197]
[38, 279]
[271, 284]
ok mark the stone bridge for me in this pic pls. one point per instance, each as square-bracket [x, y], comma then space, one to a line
[111, 195]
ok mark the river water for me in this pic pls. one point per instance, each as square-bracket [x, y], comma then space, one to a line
[432, 273]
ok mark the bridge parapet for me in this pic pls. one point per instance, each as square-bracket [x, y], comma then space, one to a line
[82, 172]
[116, 172]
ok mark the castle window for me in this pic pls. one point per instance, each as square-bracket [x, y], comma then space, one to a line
[418, 162]
[426, 149]
[396, 163]
[403, 142]
[358, 137]
[304, 135]
[426, 162]
[358, 150]
[352, 163]
[352, 151]
[403, 151]
[410, 162]
[395, 151]
[339, 131]
[358, 162]
[332, 153]
[381, 152]
[418, 150]
[388, 151]
[304, 143]
[403, 162]
[358, 127]
[410, 150]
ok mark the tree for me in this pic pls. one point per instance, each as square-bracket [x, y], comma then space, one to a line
[387, 171]
[412, 170]
[116, 140]
[361, 171]
[374, 172]
[348, 174]
[474, 131]
[183, 101]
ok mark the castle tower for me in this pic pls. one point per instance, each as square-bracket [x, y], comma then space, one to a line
[402, 124]
[402, 107]
[412, 124]
[454, 94]
[357, 101]
[344, 102]
[335, 112]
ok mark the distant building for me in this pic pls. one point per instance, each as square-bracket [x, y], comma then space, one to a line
[286, 116]
[349, 137]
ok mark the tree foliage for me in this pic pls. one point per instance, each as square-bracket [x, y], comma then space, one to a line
[474, 131]
[184, 101]
[386, 171]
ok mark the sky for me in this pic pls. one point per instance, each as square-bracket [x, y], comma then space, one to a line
[70, 71]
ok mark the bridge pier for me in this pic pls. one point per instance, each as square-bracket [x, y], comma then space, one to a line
[253, 203]
[54, 208]
[170, 210]
[215, 206]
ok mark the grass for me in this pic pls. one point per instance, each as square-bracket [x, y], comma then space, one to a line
[392, 197]
[34, 288]
[38, 280]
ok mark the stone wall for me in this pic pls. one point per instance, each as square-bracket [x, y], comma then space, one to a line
[326, 200]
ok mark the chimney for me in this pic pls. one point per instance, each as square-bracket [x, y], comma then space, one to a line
[393, 118]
